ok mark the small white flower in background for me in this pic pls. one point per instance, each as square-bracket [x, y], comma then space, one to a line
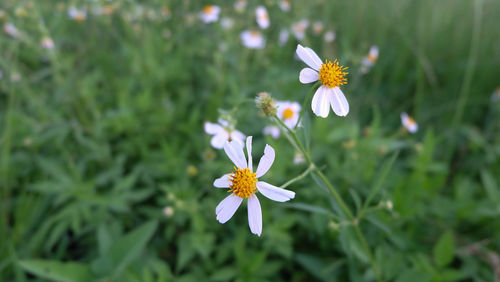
[272, 130]
[285, 5]
[78, 15]
[226, 23]
[253, 39]
[495, 97]
[47, 43]
[168, 211]
[166, 13]
[223, 132]
[329, 36]
[299, 29]
[240, 5]
[317, 27]
[284, 34]
[370, 59]
[15, 77]
[409, 123]
[11, 30]
[210, 13]
[262, 17]
[331, 75]
[243, 183]
[299, 158]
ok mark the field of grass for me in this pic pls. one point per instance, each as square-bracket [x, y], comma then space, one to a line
[106, 172]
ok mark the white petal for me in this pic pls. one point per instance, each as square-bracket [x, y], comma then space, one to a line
[266, 161]
[309, 57]
[254, 215]
[320, 104]
[249, 152]
[213, 128]
[237, 135]
[308, 75]
[219, 140]
[227, 207]
[338, 101]
[274, 193]
[272, 130]
[223, 182]
[234, 150]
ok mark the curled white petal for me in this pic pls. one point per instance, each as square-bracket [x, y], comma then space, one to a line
[338, 101]
[223, 182]
[254, 215]
[219, 140]
[309, 57]
[266, 161]
[227, 207]
[234, 150]
[308, 75]
[320, 103]
[249, 152]
[274, 193]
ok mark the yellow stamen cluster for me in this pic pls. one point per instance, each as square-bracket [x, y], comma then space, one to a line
[243, 182]
[332, 75]
[208, 9]
[287, 113]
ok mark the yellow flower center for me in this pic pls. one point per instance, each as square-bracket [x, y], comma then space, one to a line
[332, 75]
[372, 58]
[287, 113]
[243, 182]
[411, 121]
[208, 9]
[254, 34]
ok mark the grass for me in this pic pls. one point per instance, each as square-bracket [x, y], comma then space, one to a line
[101, 133]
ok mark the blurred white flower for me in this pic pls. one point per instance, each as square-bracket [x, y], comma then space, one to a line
[299, 158]
[78, 15]
[317, 27]
[331, 75]
[329, 36]
[253, 39]
[288, 112]
[47, 43]
[299, 29]
[240, 5]
[226, 23]
[15, 77]
[222, 132]
[495, 97]
[272, 130]
[370, 59]
[284, 34]
[285, 5]
[409, 123]
[262, 17]
[210, 13]
[243, 184]
[11, 30]
[168, 211]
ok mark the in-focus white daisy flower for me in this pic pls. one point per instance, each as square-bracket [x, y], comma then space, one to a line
[222, 132]
[11, 30]
[78, 15]
[243, 183]
[226, 23]
[210, 13]
[285, 5]
[262, 17]
[329, 36]
[253, 39]
[370, 59]
[299, 29]
[284, 34]
[47, 43]
[409, 123]
[240, 5]
[495, 97]
[317, 27]
[331, 75]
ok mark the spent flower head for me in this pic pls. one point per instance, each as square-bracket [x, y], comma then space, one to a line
[265, 102]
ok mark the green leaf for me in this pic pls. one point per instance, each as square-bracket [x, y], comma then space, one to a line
[444, 249]
[224, 274]
[380, 180]
[129, 247]
[58, 271]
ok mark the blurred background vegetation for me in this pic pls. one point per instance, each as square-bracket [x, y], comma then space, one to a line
[106, 173]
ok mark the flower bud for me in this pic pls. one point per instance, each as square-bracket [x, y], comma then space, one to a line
[265, 102]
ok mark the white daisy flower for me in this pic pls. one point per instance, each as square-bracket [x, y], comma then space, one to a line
[262, 17]
[285, 5]
[317, 27]
[226, 23]
[47, 43]
[284, 34]
[223, 132]
[409, 123]
[11, 30]
[272, 130]
[329, 36]
[495, 97]
[253, 39]
[299, 29]
[370, 59]
[210, 13]
[240, 5]
[288, 112]
[244, 184]
[331, 75]
[78, 15]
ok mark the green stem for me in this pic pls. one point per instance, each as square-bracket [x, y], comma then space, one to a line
[305, 102]
[304, 174]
